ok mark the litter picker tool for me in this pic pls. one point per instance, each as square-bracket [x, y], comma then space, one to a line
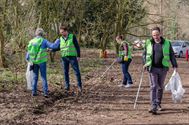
[141, 78]
[104, 72]
[108, 69]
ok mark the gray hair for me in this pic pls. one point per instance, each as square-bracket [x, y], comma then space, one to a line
[39, 32]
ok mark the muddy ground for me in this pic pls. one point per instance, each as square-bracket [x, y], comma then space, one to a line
[102, 102]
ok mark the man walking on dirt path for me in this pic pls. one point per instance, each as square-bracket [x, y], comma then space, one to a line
[125, 60]
[37, 55]
[158, 54]
[70, 53]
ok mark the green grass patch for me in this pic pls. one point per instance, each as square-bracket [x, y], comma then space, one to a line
[8, 79]
[90, 64]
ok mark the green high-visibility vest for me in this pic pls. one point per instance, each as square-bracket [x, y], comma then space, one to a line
[67, 47]
[36, 53]
[122, 52]
[166, 52]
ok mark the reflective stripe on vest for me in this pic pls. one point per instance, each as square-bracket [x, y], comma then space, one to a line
[166, 52]
[122, 52]
[36, 53]
[67, 47]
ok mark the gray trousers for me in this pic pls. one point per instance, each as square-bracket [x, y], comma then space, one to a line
[157, 78]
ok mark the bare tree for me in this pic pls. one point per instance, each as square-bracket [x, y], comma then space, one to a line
[4, 4]
[2, 53]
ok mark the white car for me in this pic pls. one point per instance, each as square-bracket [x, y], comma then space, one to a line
[180, 47]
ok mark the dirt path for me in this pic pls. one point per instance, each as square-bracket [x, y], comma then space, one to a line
[103, 102]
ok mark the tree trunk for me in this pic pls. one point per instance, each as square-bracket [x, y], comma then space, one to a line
[2, 53]
[3, 63]
[117, 25]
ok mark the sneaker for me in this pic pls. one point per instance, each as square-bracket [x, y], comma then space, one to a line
[67, 88]
[121, 85]
[159, 108]
[46, 95]
[34, 94]
[80, 90]
[153, 111]
[150, 110]
[128, 86]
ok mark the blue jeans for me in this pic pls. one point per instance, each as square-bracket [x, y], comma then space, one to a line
[126, 75]
[74, 63]
[42, 68]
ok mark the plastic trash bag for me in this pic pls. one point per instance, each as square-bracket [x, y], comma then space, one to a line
[175, 86]
[29, 76]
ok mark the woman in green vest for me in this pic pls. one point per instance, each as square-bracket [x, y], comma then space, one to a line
[125, 60]
[158, 54]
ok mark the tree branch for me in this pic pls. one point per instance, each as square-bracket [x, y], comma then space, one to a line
[138, 35]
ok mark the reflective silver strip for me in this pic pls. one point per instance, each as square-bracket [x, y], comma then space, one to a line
[66, 51]
[42, 58]
[45, 57]
[33, 53]
[168, 60]
[67, 47]
[148, 56]
[166, 54]
[148, 59]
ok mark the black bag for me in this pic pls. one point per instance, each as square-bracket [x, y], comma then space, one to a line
[120, 59]
[31, 67]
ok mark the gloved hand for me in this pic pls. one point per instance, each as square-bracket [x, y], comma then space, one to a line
[146, 68]
[125, 58]
[49, 50]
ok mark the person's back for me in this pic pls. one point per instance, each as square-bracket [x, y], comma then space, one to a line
[37, 55]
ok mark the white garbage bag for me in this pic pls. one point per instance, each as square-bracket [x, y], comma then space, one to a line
[29, 76]
[175, 86]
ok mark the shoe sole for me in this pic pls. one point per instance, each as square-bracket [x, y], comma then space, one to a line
[34, 94]
[161, 109]
[153, 112]
[127, 86]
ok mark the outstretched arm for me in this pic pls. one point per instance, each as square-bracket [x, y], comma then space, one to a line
[138, 45]
[55, 46]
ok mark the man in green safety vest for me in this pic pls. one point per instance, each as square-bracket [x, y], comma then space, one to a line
[70, 53]
[157, 57]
